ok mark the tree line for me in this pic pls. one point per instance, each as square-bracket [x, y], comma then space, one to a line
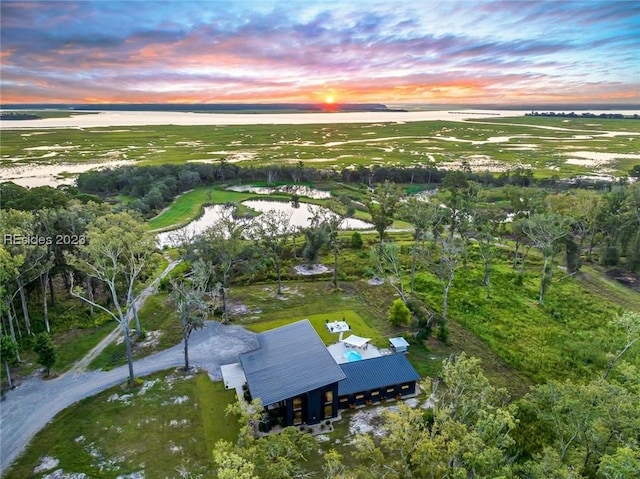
[151, 188]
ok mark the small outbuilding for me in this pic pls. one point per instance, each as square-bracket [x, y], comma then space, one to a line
[398, 345]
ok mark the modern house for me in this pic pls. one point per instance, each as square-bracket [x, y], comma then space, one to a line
[294, 375]
[300, 382]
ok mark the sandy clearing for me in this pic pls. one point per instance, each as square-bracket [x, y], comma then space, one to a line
[598, 157]
[50, 148]
[480, 163]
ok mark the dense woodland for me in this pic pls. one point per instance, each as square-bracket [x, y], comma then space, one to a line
[153, 187]
[89, 248]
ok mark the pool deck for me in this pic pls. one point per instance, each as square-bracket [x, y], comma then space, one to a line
[337, 351]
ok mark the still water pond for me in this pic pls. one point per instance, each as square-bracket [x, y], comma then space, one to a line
[299, 190]
[299, 216]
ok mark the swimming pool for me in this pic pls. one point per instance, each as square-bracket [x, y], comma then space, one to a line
[352, 355]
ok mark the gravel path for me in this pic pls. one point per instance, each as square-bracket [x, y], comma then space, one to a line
[27, 409]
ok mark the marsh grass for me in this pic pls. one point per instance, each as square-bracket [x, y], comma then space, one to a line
[335, 146]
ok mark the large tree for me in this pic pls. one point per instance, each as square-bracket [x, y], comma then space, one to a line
[225, 251]
[8, 355]
[271, 230]
[117, 250]
[383, 205]
[423, 216]
[388, 263]
[466, 434]
[487, 224]
[451, 253]
[193, 302]
[545, 230]
[331, 220]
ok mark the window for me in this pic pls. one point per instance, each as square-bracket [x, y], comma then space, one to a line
[328, 411]
[390, 390]
[405, 386]
[359, 396]
[297, 410]
[328, 404]
[375, 393]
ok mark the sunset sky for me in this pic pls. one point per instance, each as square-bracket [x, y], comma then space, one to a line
[447, 52]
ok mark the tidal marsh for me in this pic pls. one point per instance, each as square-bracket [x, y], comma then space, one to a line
[541, 144]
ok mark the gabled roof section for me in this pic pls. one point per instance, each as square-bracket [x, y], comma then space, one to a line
[290, 360]
[374, 373]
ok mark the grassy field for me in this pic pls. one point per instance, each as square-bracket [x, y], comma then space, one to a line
[171, 421]
[190, 205]
[356, 323]
[483, 145]
[568, 337]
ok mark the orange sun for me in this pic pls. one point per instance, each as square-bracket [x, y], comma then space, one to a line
[329, 99]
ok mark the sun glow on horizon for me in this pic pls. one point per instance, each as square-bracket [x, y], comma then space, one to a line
[329, 99]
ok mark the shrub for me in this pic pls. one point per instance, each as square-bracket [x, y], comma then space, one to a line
[46, 351]
[356, 240]
[423, 316]
[610, 256]
[572, 255]
[443, 331]
[399, 314]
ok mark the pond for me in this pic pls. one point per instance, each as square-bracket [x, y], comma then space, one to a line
[299, 190]
[212, 214]
[299, 216]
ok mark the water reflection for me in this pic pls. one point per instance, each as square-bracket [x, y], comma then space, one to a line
[299, 190]
[302, 215]
[299, 217]
[212, 215]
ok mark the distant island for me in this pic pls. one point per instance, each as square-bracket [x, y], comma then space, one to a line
[14, 115]
[573, 114]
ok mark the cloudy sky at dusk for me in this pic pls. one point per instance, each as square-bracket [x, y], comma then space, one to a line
[468, 52]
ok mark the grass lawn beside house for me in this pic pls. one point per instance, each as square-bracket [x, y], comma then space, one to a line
[171, 421]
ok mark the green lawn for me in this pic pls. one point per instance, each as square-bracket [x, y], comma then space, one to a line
[357, 324]
[190, 205]
[172, 421]
[73, 345]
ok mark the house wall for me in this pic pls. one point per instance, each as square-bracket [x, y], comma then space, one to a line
[375, 395]
[311, 406]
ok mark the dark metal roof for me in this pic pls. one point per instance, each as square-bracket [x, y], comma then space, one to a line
[290, 360]
[374, 373]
